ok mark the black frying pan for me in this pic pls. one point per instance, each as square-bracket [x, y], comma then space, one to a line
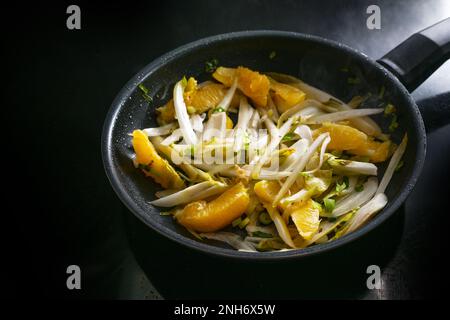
[323, 63]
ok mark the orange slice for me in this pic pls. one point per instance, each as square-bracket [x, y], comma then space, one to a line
[342, 137]
[306, 219]
[152, 164]
[253, 84]
[285, 96]
[374, 150]
[198, 100]
[212, 216]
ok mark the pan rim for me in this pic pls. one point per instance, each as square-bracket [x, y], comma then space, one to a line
[112, 174]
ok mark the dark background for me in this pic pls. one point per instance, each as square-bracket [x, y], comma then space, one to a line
[59, 206]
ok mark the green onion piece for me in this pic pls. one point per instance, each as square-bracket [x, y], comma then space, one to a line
[145, 92]
[399, 166]
[264, 245]
[264, 218]
[329, 204]
[143, 88]
[359, 188]
[342, 186]
[394, 123]
[165, 213]
[184, 81]
[272, 55]
[218, 109]
[354, 80]
[389, 109]
[236, 222]
[190, 109]
[288, 137]
[211, 66]
[244, 223]
[382, 90]
[261, 234]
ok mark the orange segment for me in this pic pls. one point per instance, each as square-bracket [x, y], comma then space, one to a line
[153, 165]
[342, 137]
[376, 151]
[230, 123]
[212, 216]
[267, 190]
[306, 219]
[285, 96]
[208, 97]
[198, 100]
[166, 113]
[253, 84]
[225, 75]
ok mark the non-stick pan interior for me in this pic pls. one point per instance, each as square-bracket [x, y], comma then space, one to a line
[331, 67]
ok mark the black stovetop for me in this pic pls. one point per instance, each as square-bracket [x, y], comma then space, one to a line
[61, 85]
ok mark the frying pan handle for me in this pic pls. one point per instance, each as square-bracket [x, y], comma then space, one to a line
[416, 58]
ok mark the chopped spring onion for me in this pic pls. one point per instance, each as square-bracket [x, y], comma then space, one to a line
[329, 204]
[264, 218]
[236, 222]
[389, 109]
[272, 55]
[261, 234]
[145, 92]
[288, 137]
[381, 94]
[244, 223]
[394, 123]
[211, 66]
[218, 109]
[399, 166]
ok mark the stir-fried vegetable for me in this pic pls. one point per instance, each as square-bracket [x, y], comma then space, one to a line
[295, 167]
